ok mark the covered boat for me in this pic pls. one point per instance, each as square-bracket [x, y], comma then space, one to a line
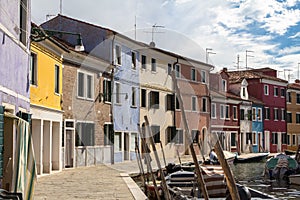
[280, 166]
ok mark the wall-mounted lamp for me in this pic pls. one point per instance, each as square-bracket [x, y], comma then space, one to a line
[39, 34]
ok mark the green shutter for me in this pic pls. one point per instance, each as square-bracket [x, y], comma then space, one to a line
[1, 139]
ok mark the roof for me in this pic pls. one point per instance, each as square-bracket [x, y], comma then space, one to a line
[238, 76]
[295, 86]
[127, 38]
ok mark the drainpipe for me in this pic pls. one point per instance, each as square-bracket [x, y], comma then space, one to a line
[112, 99]
[174, 109]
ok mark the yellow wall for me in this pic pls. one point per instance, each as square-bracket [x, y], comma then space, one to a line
[43, 93]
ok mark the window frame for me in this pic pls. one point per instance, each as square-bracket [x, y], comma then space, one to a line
[153, 65]
[266, 90]
[33, 70]
[194, 104]
[222, 111]
[143, 98]
[178, 71]
[259, 114]
[227, 112]
[234, 114]
[267, 113]
[86, 85]
[144, 62]
[204, 105]
[213, 111]
[276, 114]
[276, 92]
[118, 55]
[203, 77]
[107, 94]
[56, 79]
[193, 74]
[133, 60]
[133, 97]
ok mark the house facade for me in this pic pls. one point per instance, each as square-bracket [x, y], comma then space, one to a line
[14, 83]
[225, 106]
[293, 115]
[46, 102]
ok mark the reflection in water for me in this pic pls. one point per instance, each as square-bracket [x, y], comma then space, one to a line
[251, 174]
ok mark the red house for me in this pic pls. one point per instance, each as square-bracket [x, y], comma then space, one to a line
[264, 85]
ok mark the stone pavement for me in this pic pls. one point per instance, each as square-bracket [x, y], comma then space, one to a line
[94, 182]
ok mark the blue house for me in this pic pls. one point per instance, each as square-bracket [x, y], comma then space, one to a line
[257, 127]
[120, 87]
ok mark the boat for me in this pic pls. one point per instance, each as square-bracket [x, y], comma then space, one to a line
[251, 157]
[280, 166]
[294, 179]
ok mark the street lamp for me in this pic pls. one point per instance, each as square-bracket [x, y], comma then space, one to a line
[38, 34]
[207, 52]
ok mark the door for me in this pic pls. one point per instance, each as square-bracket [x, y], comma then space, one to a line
[126, 146]
[267, 140]
[259, 141]
[69, 148]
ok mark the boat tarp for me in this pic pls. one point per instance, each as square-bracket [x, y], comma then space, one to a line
[272, 163]
[24, 172]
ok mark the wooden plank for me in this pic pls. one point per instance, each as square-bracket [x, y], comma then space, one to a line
[227, 171]
[147, 158]
[163, 153]
[200, 180]
[140, 164]
[163, 180]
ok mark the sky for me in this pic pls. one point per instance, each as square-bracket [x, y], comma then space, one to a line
[267, 31]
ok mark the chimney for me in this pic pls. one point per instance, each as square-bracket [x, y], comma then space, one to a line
[297, 81]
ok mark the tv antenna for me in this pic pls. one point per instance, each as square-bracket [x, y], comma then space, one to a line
[154, 27]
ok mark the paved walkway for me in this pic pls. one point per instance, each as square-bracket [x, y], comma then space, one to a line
[95, 182]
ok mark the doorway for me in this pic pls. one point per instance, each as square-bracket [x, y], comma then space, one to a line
[126, 146]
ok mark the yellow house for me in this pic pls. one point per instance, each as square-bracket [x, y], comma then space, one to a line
[45, 77]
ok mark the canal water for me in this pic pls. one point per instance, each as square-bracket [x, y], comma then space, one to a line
[251, 175]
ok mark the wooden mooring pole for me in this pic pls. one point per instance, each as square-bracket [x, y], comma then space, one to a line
[163, 180]
[148, 162]
[140, 164]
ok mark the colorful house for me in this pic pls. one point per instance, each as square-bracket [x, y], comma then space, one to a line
[46, 100]
[225, 106]
[293, 115]
[14, 89]
[264, 85]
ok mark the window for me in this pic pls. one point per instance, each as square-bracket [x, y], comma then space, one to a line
[177, 105]
[133, 60]
[293, 140]
[204, 104]
[153, 64]
[171, 134]
[170, 102]
[56, 80]
[282, 92]
[118, 93]
[85, 85]
[213, 111]
[227, 114]
[143, 98]
[156, 133]
[283, 114]
[203, 76]
[133, 96]
[222, 111]
[267, 113]
[233, 139]
[276, 114]
[118, 142]
[254, 138]
[259, 114]
[288, 139]
[144, 62]
[179, 136]
[289, 97]
[169, 69]
[177, 71]
[298, 98]
[194, 103]
[195, 136]
[23, 21]
[248, 138]
[106, 90]
[253, 114]
[108, 134]
[118, 54]
[288, 117]
[85, 134]
[242, 114]
[249, 114]
[33, 69]
[154, 100]
[243, 92]
[275, 91]
[234, 112]
[133, 141]
[224, 85]
[193, 74]
[266, 89]
[283, 138]
[297, 118]
[274, 138]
